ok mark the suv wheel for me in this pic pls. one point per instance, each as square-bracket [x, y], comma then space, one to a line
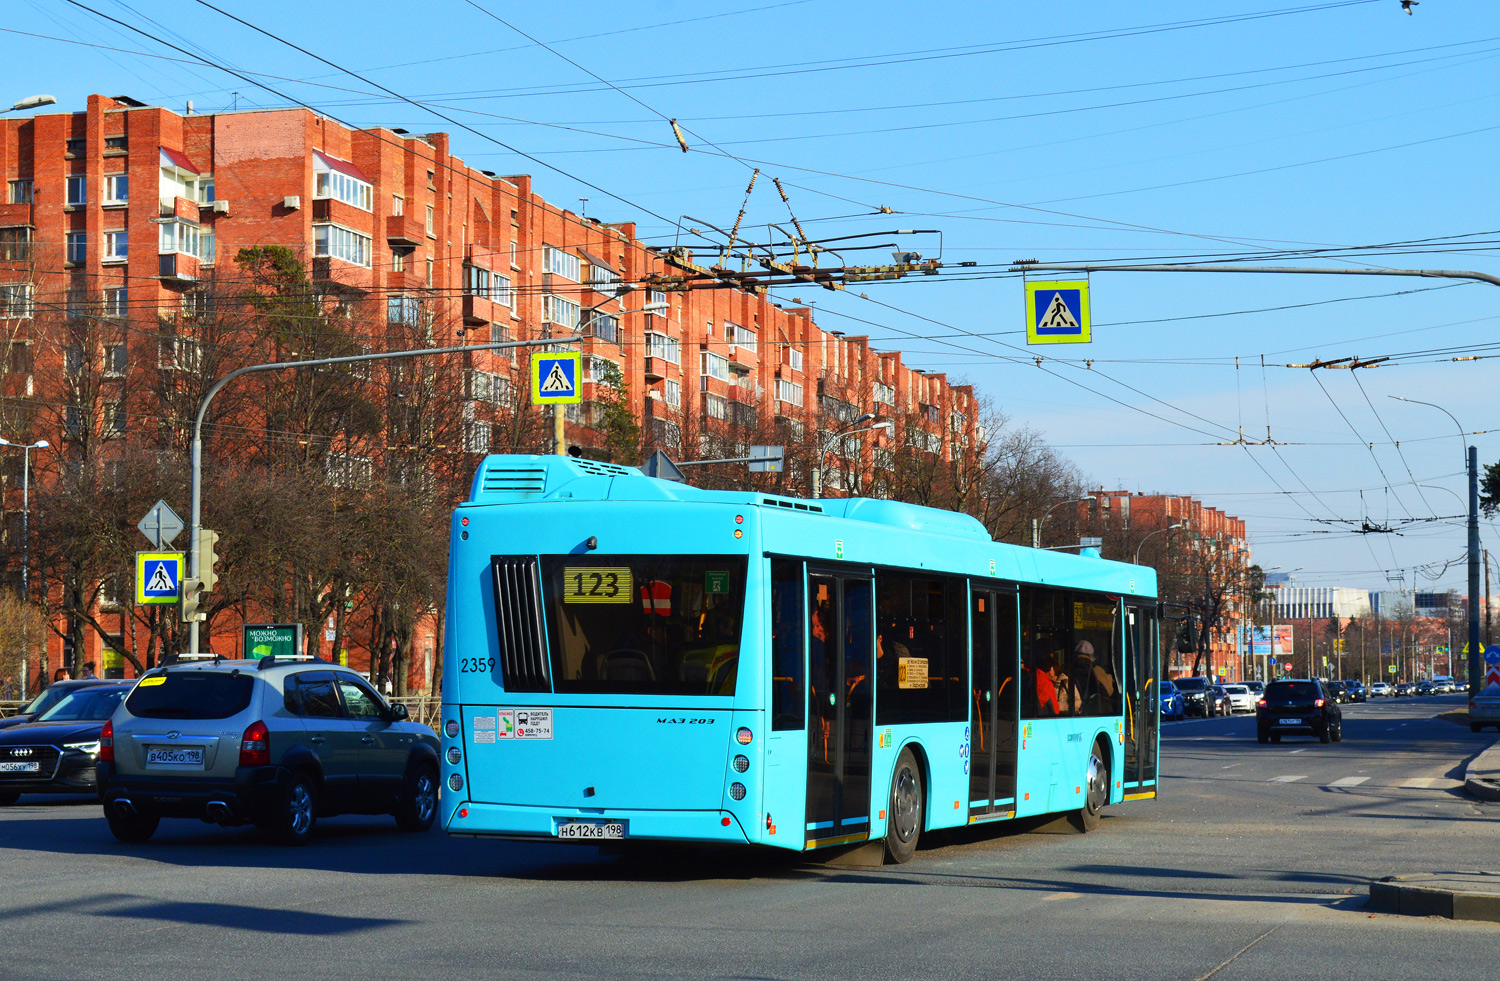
[296, 812]
[418, 805]
[131, 827]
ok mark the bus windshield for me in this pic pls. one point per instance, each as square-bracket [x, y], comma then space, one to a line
[644, 624]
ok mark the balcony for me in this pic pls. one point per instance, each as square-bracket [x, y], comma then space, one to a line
[178, 266]
[177, 207]
[657, 368]
[340, 274]
[15, 214]
[478, 310]
[405, 230]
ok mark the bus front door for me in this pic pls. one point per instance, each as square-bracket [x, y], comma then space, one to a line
[841, 639]
[994, 704]
[1143, 710]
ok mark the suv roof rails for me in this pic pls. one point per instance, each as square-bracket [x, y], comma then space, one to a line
[271, 660]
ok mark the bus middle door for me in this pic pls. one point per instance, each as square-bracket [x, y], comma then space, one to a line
[841, 725]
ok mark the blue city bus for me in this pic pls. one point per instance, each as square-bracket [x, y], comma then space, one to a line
[634, 658]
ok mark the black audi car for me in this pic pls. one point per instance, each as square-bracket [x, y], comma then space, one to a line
[39, 705]
[56, 754]
[1298, 706]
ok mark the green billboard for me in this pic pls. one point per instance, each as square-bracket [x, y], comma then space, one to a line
[281, 640]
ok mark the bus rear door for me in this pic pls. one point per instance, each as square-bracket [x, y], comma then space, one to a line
[841, 635]
[994, 704]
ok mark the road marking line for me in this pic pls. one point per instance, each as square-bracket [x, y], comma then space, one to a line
[1418, 783]
[1288, 779]
[1061, 895]
[1229, 767]
[1295, 751]
[1348, 781]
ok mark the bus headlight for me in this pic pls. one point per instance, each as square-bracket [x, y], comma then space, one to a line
[737, 791]
[741, 764]
[455, 782]
[454, 755]
[451, 728]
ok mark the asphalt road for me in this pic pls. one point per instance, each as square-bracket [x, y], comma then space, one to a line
[1255, 863]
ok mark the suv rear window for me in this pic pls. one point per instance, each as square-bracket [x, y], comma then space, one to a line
[1292, 689]
[191, 695]
[1191, 684]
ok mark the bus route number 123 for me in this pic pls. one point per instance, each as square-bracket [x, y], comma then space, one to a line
[597, 584]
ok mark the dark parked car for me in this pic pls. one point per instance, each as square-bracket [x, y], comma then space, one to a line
[1302, 705]
[40, 704]
[1356, 691]
[1336, 691]
[1223, 704]
[57, 753]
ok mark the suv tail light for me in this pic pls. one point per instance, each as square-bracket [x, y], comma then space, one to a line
[107, 742]
[1261, 703]
[1318, 703]
[255, 745]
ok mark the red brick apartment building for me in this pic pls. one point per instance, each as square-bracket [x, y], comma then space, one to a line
[127, 213]
[1209, 541]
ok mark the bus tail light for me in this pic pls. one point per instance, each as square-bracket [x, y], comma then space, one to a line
[741, 763]
[455, 782]
[454, 755]
[107, 742]
[743, 736]
[255, 745]
[737, 791]
[451, 728]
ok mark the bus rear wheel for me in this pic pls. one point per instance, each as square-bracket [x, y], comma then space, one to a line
[906, 809]
[1096, 794]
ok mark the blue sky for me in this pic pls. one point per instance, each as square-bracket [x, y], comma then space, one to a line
[1064, 132]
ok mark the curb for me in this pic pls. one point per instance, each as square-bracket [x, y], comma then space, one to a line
[1482, 775]
[1424, 894]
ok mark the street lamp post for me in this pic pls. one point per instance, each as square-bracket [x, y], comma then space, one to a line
[1159, 531]
[1036, 523]
[26, 449]
[31, 102]
[1476, 661]
[849, 429]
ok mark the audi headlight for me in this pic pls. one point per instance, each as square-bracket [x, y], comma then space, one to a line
[90, 748]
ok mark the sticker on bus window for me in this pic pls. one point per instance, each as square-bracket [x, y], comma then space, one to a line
[484, 736]
[656, 597]
[533, 723]
[911, 672]
[484, 722]
[716, 583]
[597, 584]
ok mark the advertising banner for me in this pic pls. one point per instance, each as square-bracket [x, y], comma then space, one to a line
[1264, 644]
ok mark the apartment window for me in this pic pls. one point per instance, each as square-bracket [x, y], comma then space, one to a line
[73, 422]
[331, 183]
[958, 422]
[116, 246]
[398, 262]
[339, 242]
[347, 470]
[19, 192]
[501, 292]
[794, 359]
[672, 390]
[716, 407]
[116, 301]
[78, 190]
[404, 310]
[477, 281]
[560, 263]
[179, 354]
[398, 204]
[429, 273]
[739, 336]
[715, 366]
[117, 143]
[600, 370]
[606, 328]
[513, 263]
[15, 244]
[77, 246]
[560, 311]
[932, 412]
[885, 394]
[602, 279]
[654, 297]
[483, 386]
[664, 347]
[114, 418]
[205, 189]
[197, 305]
[178, 236]
[72, 359]
[18, 359]
[787, 391]
[116, 188]
[114, 361]
[206, 243]
[15, 300]
[431, 214]
[476, 436]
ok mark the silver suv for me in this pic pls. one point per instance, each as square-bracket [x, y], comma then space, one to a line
[277, 743]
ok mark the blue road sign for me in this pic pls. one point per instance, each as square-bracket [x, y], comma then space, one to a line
[554, 378]
[1058, 313]
[158, 577]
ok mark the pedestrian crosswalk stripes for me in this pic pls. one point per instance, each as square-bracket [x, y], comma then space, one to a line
[1407, 783]
[1289, 779]
[1349, 781]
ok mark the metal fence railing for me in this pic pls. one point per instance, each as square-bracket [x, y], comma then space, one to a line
[426, 709]
[9, 707]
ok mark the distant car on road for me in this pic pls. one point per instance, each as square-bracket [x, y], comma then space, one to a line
[1380, 690]
[1336, 691]
[1221, 701]
[1172, 704]
[1356, 691]
[1241, 699]
[1256, 686]
[1404, 688]
[55, 693]
[1426, 688]
[1196, 694]
[57, 753]
[1300, 705]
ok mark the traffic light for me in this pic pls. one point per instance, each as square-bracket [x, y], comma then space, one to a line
[191, 600]
[1187, 637]
[203, 566]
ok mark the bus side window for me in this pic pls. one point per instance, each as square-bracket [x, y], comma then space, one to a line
[787, 623]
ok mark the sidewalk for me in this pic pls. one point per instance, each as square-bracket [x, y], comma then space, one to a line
[1456, 895]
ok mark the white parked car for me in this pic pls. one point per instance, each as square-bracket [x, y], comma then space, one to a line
[1380, 690]
[1241, 698]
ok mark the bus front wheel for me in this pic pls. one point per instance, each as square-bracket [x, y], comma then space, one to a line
[1096, 788]
[906, 808]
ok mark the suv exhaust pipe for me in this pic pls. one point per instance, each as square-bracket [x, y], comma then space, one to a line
[125, 808]
[219, 813]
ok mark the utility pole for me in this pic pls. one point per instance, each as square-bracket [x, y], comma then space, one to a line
[1476, 653]
[1486, 600]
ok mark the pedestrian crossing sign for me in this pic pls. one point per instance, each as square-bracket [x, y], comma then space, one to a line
[1058, 313]
[158, 577]
[555, 377]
